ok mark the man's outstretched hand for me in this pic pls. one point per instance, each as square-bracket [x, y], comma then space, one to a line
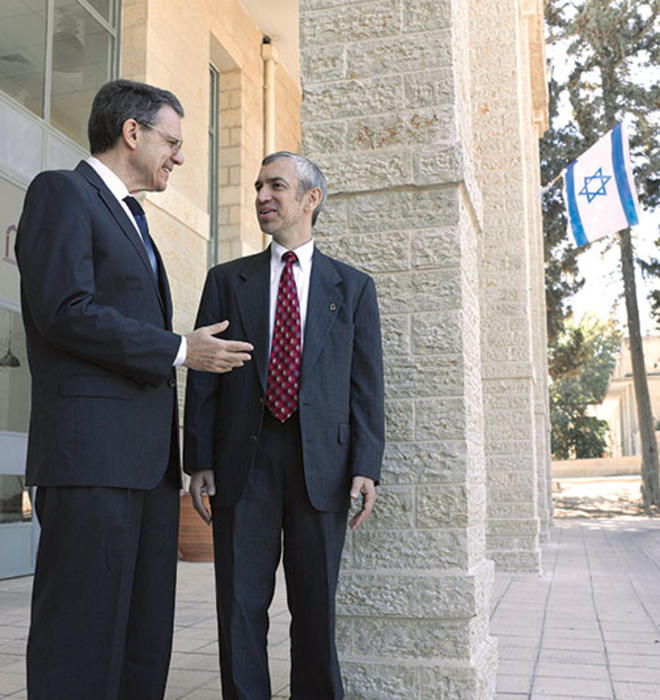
[209, 354]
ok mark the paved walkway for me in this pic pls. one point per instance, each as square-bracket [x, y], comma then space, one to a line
[589, 627]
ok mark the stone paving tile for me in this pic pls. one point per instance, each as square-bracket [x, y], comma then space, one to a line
[565, 670]
[513, 683]
[572, 687]
[572, 656]
[636, 691]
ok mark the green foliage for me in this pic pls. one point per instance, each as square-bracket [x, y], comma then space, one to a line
[574, 433]
[612, 48]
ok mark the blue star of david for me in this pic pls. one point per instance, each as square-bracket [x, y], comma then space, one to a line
[591, 194]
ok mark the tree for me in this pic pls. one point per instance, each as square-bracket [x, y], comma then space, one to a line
[612, 46]
[575, 434]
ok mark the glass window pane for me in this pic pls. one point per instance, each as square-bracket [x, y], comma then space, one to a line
[82, 62]
[103, 7]
[23, 51]
[14, 374]
[15, 502]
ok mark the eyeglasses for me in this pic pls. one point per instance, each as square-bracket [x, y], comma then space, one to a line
[174, 142]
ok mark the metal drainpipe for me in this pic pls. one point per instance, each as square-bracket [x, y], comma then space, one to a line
[270, 57]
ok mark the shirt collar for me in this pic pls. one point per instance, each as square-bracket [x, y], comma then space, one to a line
[110, 179]
[303, 253]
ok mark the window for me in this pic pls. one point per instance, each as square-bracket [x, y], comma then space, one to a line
[55, 54]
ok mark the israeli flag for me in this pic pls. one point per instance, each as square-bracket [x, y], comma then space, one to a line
[599, 190]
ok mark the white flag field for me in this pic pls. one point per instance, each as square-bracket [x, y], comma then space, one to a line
[599, 191]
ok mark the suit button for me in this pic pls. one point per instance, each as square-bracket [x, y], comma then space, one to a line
[254, 437]
[261, 400]
[171, 382]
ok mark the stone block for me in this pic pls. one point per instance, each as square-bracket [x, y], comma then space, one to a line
[404, 54]
[430, 462]
[424, 126]
[414, 549]
[436, 248]
[322, 64]
[419, 377]
[406, 595]
[423, 15]
[394, 509]
[440, 419]
[399, 420]
[404, 210]
[393, 681]
[428, 88]
[369, 254]
[395, 331]
[474, 680]
[436, 333]
[329, 137]
[350, 22]
[343, 99]
[361, 171]
[452, 505]
[441, 164]
[333, 219]
[423, 290]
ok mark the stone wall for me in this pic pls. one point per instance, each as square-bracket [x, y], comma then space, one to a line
[386, 113]
[511, 276]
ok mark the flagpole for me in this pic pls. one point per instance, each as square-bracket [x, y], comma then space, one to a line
[650, 471]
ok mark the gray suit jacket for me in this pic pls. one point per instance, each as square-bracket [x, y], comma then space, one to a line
[341, 410]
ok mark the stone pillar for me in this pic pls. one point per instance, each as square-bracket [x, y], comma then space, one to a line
[386, 114]
[506, 142]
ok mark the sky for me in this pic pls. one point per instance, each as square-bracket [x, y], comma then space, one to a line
[599, 264]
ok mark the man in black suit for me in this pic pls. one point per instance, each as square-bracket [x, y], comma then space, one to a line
[280, 444]
[103, 445]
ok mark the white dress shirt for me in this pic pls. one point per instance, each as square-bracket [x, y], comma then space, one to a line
[301, 273]
[119, 190]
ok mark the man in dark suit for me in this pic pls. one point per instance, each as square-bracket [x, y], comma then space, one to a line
[280, 444]
[103, 446]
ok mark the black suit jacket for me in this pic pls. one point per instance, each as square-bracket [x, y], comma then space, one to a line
[341, 394]
[99, 339]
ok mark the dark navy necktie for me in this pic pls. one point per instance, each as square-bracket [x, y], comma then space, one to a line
[141, 220]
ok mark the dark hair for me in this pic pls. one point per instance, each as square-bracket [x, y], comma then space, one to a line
[120, 100]
[309, 176]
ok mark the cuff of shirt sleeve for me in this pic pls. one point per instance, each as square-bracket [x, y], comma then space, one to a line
[181, 355]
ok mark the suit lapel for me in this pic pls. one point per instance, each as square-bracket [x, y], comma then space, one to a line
[127, 229]
[252, 298]
[323, 304]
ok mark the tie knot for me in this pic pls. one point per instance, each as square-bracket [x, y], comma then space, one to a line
[134, 206]
[290, 257]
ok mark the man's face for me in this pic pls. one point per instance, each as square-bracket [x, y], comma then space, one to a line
[159, 150]
[282, 212]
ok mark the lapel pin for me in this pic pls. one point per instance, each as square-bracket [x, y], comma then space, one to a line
[332, 307]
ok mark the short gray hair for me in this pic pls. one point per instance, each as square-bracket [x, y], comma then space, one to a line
[309, 176]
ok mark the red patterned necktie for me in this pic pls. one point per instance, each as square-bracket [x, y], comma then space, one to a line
[285, 353]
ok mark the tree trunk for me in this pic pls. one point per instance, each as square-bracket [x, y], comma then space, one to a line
[650, 470]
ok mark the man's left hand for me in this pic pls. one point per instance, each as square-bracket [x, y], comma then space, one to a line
[365, 486]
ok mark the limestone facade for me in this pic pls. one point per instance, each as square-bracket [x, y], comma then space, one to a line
[426, 121]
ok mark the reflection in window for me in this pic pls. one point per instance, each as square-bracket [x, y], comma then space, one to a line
[14, 374]
[15, 502]
[23, 51]
[103, 7]
[82, 62]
